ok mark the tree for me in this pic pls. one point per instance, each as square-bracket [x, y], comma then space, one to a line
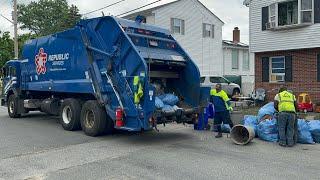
[6, 48]
[47, 16]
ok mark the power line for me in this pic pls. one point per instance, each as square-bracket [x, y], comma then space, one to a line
[138, 8]
[6, 18]
[103, 7]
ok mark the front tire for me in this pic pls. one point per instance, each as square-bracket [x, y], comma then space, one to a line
[70, 114]
[93, 118]
[13, 106]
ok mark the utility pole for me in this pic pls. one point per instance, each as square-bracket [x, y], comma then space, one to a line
[15, 24]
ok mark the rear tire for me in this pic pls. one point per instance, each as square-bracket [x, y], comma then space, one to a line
[70, 114]
[236, 92]
[13, 106]
[93, 118]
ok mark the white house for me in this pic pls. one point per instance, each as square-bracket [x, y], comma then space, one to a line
[238, 62]
[285, 40]
[195, 27]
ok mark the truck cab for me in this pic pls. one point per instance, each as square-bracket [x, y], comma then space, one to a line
[10, 80]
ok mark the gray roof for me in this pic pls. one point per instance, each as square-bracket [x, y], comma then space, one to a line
[148, 12]
[231, 44]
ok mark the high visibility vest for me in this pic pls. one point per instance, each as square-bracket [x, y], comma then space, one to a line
[223, 95]
[138, 89]
[286, 102]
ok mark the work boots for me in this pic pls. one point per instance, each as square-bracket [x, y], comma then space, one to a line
[219, 135]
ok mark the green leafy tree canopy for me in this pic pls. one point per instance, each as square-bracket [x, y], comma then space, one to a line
[6, 48]
[47, 16]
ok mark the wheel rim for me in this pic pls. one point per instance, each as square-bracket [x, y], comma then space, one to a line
[11, 107]
[89, 119]
[66, 114]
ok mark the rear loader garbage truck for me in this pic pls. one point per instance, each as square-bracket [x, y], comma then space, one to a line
[104, 74]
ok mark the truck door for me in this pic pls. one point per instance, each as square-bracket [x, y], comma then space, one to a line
[10, 78]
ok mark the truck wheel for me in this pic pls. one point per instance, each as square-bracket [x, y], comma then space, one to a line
[236, 92]
[93, 118]
[13, 106]
[70, 114]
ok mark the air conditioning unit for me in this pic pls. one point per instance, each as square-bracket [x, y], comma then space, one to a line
[271, 25]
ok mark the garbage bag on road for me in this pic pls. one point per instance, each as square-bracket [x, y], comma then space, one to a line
[304, 134]
[267, 109]
[268, 130]
[225, 128]
[251, 121]
[169, 99]
[315, 130]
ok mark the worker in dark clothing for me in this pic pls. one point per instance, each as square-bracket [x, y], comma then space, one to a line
[285, 103]
[222, 106]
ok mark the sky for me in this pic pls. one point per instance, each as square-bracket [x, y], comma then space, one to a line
[232, 12]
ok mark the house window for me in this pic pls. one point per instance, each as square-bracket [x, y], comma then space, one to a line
[277, 69]
[177, 26]
[208, 30]
[235, 59]
[245, 64]
[288, 13]
[306, 11]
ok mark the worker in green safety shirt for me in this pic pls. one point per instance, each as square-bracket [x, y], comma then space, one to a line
[137, 88]
[222, 107]
[285, 103]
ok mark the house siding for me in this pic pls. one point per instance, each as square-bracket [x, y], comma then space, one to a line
[247, 76]
[205, 52]
[263, 41]
[304, 73]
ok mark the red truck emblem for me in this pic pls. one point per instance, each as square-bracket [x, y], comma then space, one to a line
[40, 60]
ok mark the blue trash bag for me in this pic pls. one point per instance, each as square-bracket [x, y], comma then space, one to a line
[315, 130]
[167, 108]
[267, 109]
[268, 130]
[304, 134]
[251, 121]
[169, 99]
[210, 111]
[158, 103]
[225, 128]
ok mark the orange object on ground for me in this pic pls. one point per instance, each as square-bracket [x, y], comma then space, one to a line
[305, 103]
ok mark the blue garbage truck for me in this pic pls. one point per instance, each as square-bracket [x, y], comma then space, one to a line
[104, 74]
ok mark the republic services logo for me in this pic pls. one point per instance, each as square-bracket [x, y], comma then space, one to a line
[40, 60]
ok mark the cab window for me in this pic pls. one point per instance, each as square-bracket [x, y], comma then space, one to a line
[13, 72]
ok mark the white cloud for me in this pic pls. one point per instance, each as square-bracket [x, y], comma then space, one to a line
[232, 12]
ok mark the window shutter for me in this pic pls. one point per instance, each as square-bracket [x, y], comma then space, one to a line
[288, 69]
[203, 30]
[182, 27]
[171, 22]
[265, 69]
[318, 68]
[265, 18]
[316, 11]
[212, 31]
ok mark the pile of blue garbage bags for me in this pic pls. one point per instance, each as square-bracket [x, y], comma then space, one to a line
[167, 102]
[267, 129]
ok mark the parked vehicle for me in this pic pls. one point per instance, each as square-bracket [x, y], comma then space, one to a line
[230, 88]
[98, 76]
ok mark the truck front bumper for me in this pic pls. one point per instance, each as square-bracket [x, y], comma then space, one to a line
[2, 102]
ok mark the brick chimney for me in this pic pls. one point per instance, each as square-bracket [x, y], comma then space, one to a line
[236, 35]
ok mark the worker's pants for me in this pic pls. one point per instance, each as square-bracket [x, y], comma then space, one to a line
[286, 125]
[222, 117]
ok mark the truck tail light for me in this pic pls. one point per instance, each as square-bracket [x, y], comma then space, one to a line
[119, 117]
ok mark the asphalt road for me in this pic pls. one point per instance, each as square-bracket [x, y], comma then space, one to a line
[36, 147]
